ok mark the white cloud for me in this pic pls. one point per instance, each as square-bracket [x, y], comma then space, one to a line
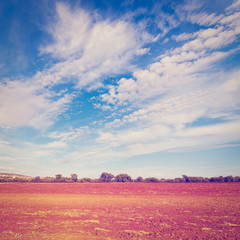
[165, 123]
[232, 85]
[142, 51]
[4, 142]
[166, 22]
[184, 36]
[203, 34]
[172, 71]
[92, 48]
[179, 66]
[69, 32]
[198, 100]
[176, 92]
[158, 138]
[9, 169]
[234, 6]
[69, 136]
[205, 19]
[27, 104]
[232, 20]
[158, 108]
[56, 144]
[191, 5]
[193, 12]
[88, 157]
[7, 159]
[211, 39]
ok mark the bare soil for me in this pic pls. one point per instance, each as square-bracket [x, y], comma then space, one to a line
[119, 211]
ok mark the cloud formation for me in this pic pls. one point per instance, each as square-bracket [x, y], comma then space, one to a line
[152, 79]
[87, 50]
[178, 91]
[23, 103]
[90, 48]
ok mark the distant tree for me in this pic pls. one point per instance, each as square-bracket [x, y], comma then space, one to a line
[186, 178]
[83, 180]
[193, 179]
[196, 179]
[221, 179]
[60, 178]
[48, 179]
[123, 177]
[216, 179]
[3, 179]
[74, 177]
[170, 180]
[138, 179]
[213, 179]
[151, 180]
[206, 180]
[36, 179]
[106, 177]
[63, 179]
[236, 179]
[228, 179]
[180, 180]
[15, 179]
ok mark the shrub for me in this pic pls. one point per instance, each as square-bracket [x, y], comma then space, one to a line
[123, 177]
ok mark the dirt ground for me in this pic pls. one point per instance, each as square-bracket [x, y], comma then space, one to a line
[119, 211]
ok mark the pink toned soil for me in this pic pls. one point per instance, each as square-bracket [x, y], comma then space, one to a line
[119, 211]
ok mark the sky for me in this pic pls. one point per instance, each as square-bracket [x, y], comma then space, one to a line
[147, 88]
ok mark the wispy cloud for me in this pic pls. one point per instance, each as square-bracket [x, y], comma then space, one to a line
[4, 142]
[200, 53]
[235, 6]
[185, 85]
[7, 159]
[87, 49]
[151, 79]
[70, 135]
[205, 19]
[23, 103]
[89, 53]
[165, 21]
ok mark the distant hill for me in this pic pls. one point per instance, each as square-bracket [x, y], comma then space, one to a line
[13, 175]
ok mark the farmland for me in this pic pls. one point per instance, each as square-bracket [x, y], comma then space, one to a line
[119, 211]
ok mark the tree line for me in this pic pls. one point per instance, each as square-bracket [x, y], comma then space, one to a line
[106, 177]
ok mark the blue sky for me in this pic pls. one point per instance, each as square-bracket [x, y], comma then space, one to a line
[148, 88]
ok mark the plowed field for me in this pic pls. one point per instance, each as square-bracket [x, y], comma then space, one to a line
[119, 211]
